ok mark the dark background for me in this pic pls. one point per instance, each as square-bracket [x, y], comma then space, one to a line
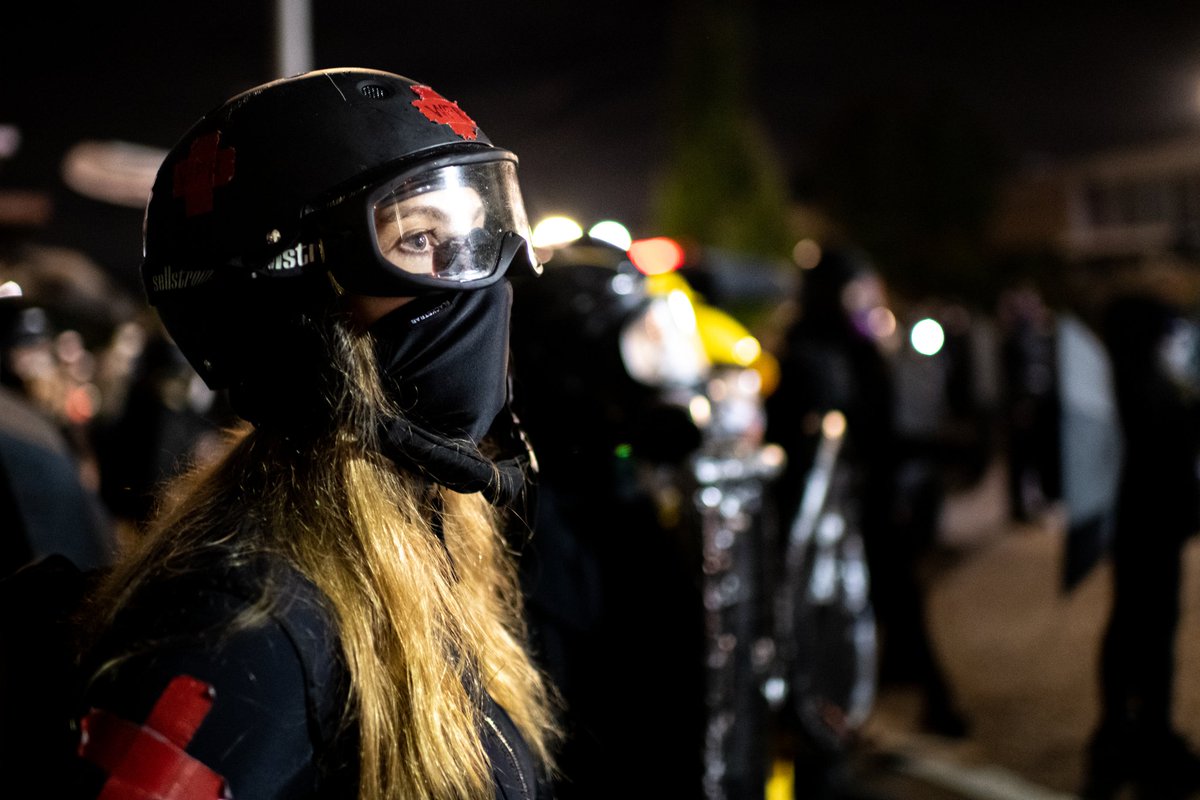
[589, 95]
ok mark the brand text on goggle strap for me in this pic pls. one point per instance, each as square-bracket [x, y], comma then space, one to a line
[299, 256]
[179, 279]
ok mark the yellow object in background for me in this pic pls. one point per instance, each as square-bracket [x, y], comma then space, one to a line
[781, 784]
[726, 341]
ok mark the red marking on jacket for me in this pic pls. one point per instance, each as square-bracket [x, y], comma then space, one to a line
[446, 112]
[147, 761]
[205, 168]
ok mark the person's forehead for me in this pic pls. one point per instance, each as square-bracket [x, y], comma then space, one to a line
[440, 199]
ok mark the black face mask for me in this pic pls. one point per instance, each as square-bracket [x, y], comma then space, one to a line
[444, 359]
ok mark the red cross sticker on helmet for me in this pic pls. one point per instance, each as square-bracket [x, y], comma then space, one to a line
[197, 176]
[446, 112]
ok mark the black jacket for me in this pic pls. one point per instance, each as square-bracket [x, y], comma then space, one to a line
[262, 702]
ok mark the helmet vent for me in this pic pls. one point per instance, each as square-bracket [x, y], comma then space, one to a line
[373, 91]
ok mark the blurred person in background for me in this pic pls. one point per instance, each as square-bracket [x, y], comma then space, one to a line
[327, 608]
[46, 506]
[52, 525]
[56, 307]
[831, 360]
[61, 349]
[1031, 403]
[612, 570]
[1154, 347]
[166, 419]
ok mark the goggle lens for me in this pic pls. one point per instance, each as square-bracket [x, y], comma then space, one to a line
[450, 223]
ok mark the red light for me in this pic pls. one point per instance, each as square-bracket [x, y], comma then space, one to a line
[656, 256]
[78, 405]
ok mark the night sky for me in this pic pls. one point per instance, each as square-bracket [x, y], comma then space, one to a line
[581, 95]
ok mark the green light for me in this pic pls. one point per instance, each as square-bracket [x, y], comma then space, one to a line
[623, 450]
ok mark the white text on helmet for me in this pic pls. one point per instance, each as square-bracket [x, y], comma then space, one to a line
[179, 279]
[298, 256]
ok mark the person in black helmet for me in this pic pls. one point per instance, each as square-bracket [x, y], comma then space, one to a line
[327, 609]
[611, 576]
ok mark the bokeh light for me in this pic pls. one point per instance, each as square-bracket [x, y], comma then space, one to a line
[927, 337]
[612, 232]
[806, 253]
[556, 231]
[656, 256]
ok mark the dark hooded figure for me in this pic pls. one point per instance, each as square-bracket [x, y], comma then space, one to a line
[1152, 347]
[831, 361]
[612, 586]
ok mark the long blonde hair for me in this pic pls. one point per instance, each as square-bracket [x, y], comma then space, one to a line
[421, 622]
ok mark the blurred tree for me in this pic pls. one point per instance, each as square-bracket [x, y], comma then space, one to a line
[913, 176]
[723, 185]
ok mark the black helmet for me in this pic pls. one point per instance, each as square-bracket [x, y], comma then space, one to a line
[576, 390]
[294, 191]
[592, 310]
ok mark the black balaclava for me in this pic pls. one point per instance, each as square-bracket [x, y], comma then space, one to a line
[444, 360]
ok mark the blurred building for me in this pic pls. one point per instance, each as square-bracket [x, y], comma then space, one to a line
[1121, 205]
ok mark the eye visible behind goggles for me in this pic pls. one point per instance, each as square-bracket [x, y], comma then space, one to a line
[453, 226]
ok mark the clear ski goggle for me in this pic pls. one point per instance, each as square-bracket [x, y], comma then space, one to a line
[452, 225]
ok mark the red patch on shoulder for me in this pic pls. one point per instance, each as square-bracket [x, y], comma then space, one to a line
[148, 761]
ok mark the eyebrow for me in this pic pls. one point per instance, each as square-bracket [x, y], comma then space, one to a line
[430, 210]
